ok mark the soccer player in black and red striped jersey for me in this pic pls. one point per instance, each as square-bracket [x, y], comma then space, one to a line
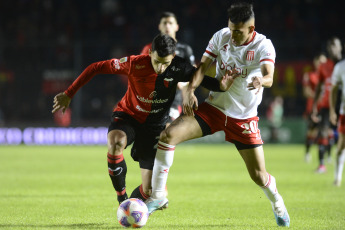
[168, 24]
[142, 113]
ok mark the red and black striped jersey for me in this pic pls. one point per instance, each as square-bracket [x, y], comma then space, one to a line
[149, 96]
[325, 75]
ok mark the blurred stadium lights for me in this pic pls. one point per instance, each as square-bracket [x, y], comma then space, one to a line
[54, 136]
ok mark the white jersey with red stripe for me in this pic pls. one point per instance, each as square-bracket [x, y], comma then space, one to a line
[338, 78]
[239, 102]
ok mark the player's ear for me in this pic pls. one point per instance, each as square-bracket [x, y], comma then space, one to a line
[150, 52]
[251, 29]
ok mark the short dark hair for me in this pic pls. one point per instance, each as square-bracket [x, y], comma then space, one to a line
[164, 45]
[167, 15]
[240, 12]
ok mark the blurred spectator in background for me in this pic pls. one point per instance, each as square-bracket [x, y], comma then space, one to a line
[321, 99]
[310, 81]
[63, 119]
[168, 25]
[274, 116]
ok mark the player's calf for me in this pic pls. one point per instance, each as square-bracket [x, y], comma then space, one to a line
[117, 169]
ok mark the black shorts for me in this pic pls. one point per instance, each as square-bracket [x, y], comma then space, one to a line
[144, 137]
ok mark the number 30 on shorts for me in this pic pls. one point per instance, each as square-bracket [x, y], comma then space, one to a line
[249, 128]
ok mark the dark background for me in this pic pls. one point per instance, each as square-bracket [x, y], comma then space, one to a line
[44, 45]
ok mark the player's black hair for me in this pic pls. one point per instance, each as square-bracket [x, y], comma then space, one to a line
[164, 45]
[240, 12]
[167, 15]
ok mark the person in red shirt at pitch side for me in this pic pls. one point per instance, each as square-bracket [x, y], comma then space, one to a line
[321, 99]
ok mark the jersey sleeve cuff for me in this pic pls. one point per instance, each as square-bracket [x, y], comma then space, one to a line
[210, 55]
[267, 61]
[69, 94]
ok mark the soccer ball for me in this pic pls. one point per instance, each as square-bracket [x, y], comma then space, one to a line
[132, 213]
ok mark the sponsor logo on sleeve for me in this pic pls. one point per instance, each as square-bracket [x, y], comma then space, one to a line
[116, 64]
[124, 59]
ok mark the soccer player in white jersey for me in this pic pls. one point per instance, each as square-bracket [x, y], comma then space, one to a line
[237, 49]
[338, 80]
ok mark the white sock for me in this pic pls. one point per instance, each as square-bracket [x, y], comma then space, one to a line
[340, 166]
[163, 161]
[270, 189]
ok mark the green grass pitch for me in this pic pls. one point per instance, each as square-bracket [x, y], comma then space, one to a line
[68, 187]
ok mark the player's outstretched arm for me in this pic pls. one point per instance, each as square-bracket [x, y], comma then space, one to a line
[61, 101]
[266, 81]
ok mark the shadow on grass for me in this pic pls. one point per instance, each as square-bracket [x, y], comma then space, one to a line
[62, 226]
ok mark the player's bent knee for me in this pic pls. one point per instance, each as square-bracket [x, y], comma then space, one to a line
[117, 148]
[116, 143]
[165, 136]
[170, 136]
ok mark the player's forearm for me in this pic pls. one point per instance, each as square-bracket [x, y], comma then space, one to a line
[308, 92]
[317, 95]
[333, 98]
[267, 71]
[199, 73]
[102, 67]
[196, 80]
[267, 81]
